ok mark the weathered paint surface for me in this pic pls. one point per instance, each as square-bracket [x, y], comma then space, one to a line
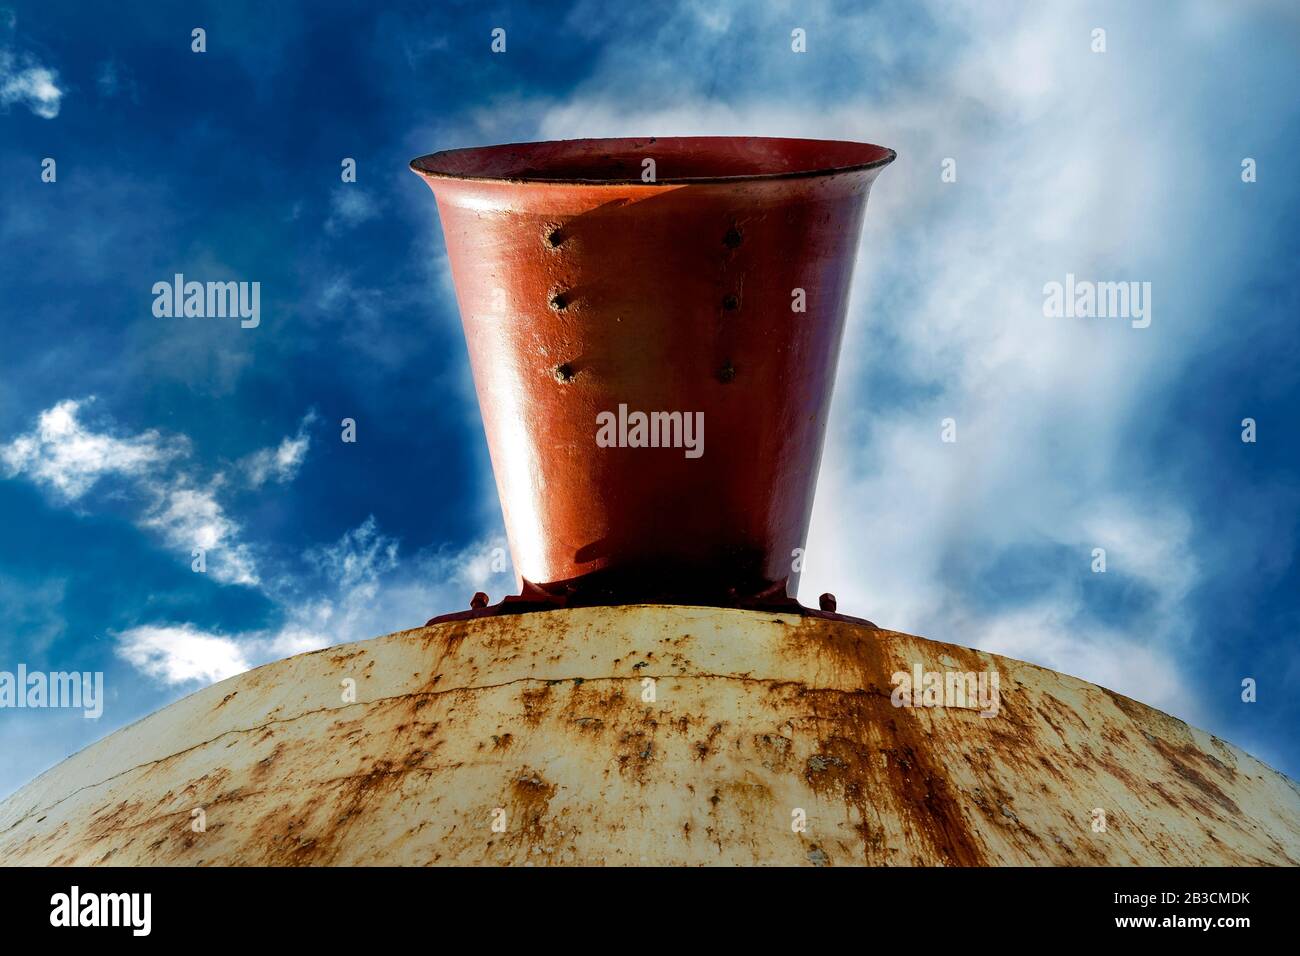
[754, 715]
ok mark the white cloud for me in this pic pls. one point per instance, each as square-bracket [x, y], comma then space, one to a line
[350, 206]
[32, 614]
[358, 558]
[362, 590]
[181, 654]
[279, 464]
[1048, 633]
[368, 590]
[1041, 406]
[190, 517]
[35, 87]
[113, 80]
[339, 293]
[63, 455]
[107, 79]
[26, 82]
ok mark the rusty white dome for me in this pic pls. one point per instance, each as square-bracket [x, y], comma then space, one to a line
[651, 735]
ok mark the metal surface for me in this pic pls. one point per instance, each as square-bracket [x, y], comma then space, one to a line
[584, 291]
[539, 723]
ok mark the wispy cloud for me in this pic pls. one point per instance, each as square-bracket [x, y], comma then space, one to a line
[353, 589]
[357, 559]
[32, 615]
[154, 473]
[281, 463]
[63, 455]
[350, 206]
[32, 86]
[189, 517]
[113, 79]
[24, 80]
[181, 654]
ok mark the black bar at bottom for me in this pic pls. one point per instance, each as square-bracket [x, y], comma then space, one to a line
[925, 906]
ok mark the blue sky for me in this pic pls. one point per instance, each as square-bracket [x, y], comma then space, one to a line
[125, 437]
